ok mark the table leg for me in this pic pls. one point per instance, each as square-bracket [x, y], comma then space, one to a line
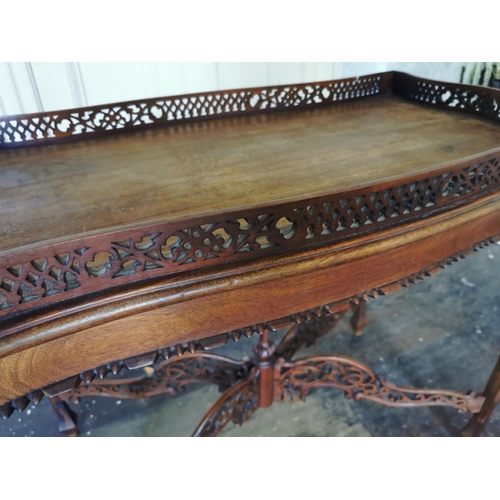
[66, 416]
[358, 319]
[476, 424]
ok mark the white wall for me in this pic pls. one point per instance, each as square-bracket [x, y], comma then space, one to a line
[33, 87]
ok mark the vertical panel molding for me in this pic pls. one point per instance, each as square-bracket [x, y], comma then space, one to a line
[77, 85]
[34, 86]
[16, 88]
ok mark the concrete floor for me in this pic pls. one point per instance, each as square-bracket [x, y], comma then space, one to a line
[441, 332]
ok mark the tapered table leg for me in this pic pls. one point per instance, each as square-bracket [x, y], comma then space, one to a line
[491, 394]
[358, 319]
[66, 417]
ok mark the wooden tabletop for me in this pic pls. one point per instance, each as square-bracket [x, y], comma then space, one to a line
[55, 192]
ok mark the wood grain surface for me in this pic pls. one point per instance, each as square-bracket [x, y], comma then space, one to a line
[53, 192]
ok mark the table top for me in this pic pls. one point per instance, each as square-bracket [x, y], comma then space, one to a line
[56, 192]
[146, 228]
[330, 161]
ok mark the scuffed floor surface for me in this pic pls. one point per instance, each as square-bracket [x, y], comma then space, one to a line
[441, 332]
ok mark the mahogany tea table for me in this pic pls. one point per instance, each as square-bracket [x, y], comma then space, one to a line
[147, 232]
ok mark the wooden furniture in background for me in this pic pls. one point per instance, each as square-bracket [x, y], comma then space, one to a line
[126, 241]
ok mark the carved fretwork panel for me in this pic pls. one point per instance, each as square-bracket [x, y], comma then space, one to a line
[97, 263]
[294, 380]
[480, 101]
[49, 127]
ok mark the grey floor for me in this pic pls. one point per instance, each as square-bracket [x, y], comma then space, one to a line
[441, 332]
